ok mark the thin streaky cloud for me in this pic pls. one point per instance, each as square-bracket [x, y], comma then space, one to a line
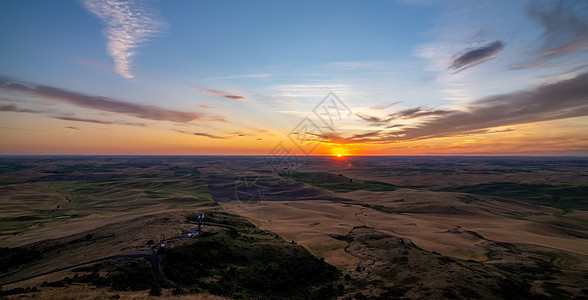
[239, 133]
[527, 66]
[217, 119]
[394, 126]
[105, 103]
[228, 95]
[129, 24]
[83, 120]
[567, 72]
[382, 107]
[418, 112]
[236, 97]
[366, 135]
[12, 107]
[208, 135]
[411, 113]
[372, 119]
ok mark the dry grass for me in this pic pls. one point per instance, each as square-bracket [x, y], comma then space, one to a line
[310, 222]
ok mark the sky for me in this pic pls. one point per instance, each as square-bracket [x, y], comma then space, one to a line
[380, 77]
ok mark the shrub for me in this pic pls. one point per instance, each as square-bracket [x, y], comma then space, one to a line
[13, 257]
[155, 290]
[178, 291]
[135, 276]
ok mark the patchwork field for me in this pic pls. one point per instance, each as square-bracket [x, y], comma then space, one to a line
[412, 227]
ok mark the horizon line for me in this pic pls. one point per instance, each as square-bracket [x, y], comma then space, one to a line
[299, 155]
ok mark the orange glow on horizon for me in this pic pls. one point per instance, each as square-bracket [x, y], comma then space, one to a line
[31, 135]
[336, 150]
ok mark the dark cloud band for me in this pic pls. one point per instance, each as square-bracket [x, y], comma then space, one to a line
[564, 99]
[104, 103]
[476, 56]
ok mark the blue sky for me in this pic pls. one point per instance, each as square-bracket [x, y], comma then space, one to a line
[247, 72]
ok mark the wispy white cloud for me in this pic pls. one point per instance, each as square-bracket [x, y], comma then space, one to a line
[315, 91]
[286, 102]
[129, 24]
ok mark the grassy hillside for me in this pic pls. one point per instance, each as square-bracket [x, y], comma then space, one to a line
[241, 261]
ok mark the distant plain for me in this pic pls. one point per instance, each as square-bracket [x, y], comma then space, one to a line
[489, 219]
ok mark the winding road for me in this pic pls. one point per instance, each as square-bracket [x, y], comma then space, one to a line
[151, 256]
